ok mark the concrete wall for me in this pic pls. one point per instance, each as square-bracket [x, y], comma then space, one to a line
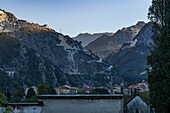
[82, 106]
[137, 104]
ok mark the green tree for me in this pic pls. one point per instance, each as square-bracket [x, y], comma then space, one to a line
[1, 95]
[145, 96]
[52, 89]
[159, 60]
[127, 99]
[31, 96]
[19, 95]
[30, 93]
[3, 103]
[43, 89]
[8, 94]
[101, 91]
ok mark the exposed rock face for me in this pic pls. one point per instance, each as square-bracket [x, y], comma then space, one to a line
[87, 38]
[106, 45]
[131, 60]
[37, 54]
[9, 23]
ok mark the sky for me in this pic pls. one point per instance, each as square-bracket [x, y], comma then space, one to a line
[72, 17]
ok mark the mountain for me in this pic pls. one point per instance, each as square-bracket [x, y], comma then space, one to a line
[32, 54]
[87, 38]
[131, 59]
[106, 45]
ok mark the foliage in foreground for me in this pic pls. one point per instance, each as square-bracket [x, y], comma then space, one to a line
[159, 60]
[3, 104]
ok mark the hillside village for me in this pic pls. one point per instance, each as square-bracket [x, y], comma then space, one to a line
[116, 89]
[118, 95]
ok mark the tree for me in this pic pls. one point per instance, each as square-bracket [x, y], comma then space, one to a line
[52, 89]
[3, 104]
[8, 95]
[31, 97]
[145, 96]
[43, 89]
[19, 94]
[101, 91]
[159, 60]
[30, 93]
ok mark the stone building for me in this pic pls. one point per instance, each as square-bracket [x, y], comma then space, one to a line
[137, 105]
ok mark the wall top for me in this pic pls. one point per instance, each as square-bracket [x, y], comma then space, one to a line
[115, 96]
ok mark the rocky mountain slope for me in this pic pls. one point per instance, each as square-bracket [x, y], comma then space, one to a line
[87, 38]
[106, 45]
[131, 59]
[37, 54]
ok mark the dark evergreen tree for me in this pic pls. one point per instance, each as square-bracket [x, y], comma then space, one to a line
[159, 60]
[52, 90]
[31, 96]
[19, 95]
[1, 95]
[30, 93]
[43, 89]
[8, 95]
[101, 91]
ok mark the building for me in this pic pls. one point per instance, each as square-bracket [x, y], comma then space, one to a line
[87, 89]
[72, 104]
[116, 89]
[82, 103]
[25, 107]
[66, 89]
[125, 91]
[142, 87]
[137, 105]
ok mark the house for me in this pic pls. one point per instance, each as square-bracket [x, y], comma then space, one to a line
[87, 89]
[125, 91]
[142, 87]
[118, 89]
[137, 105]
[66, 89]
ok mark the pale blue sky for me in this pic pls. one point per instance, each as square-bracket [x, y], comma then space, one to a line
[80, 16]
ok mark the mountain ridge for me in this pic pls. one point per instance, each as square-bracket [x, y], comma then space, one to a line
[131, 59]
[87, 38]
[112, 44]
[45, 56]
